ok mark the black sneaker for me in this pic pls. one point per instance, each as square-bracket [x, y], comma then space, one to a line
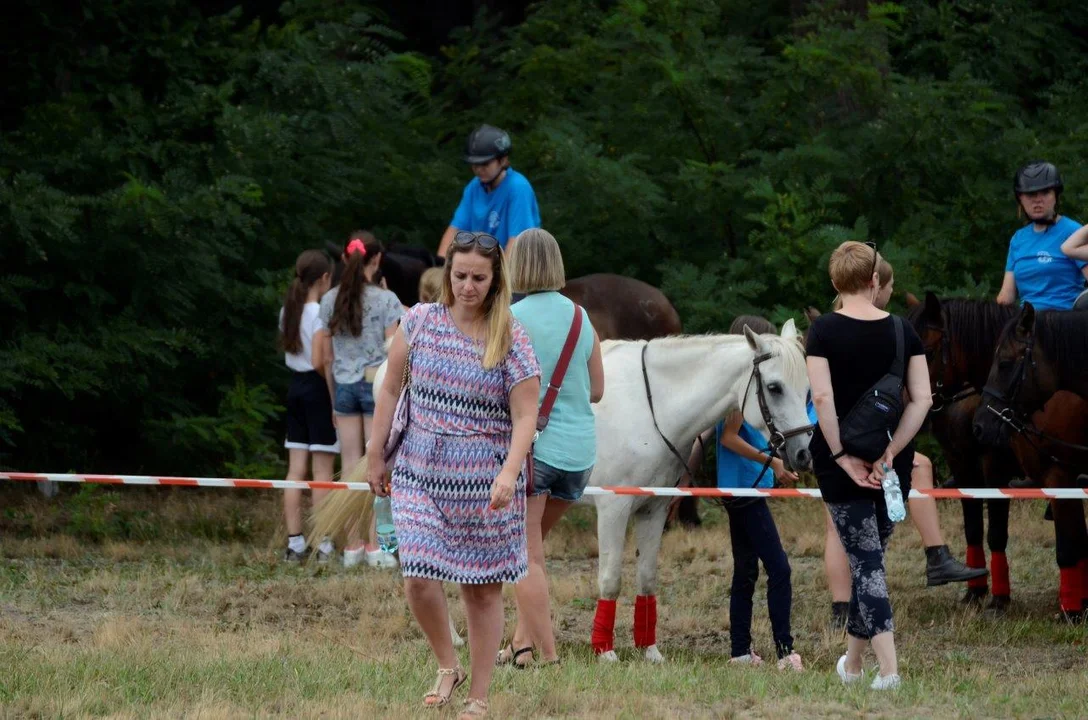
[942, 568]
[293, 556]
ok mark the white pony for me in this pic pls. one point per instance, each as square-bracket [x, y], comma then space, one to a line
[694, 382]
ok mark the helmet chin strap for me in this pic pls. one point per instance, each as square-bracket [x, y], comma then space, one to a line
[494, 182]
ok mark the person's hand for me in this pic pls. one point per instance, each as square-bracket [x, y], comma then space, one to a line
[881, 467]
[782, 473]
[335, 424]
[502, 490]
[377, 477]
[858, 470]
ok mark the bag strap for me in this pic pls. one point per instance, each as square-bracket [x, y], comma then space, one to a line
[900, 363]
[556, 382]
[406, 373]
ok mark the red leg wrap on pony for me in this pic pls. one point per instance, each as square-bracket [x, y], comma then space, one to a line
[645, 621]
[1084, 582]
[976, 558]
[999, 570]
[1069, 590]
[604, 626]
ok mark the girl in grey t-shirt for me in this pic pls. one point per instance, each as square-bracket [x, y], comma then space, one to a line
[356, 318]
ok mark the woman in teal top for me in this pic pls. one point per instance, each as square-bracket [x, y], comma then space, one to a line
[566, 450]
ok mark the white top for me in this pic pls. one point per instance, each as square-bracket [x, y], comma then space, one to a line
[308, 325]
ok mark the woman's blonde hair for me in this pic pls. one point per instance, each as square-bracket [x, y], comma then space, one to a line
[535, 262]
[852, 266]
[430, 284]
[496, 304]
[884, 274]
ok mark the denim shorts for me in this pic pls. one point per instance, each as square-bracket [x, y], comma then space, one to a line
[560, 484]
[355, 398]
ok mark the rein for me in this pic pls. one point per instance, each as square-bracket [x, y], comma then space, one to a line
[653, 416]
[941, 398]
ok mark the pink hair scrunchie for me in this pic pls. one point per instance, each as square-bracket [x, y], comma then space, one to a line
[356, 245]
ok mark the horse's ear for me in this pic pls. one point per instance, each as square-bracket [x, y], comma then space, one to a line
[758, 344]
[811, 313]
[912, 299]
[789, 330]
[932, 312]
[1025, 323]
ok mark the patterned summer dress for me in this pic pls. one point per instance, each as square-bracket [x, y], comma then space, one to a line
[455, 445]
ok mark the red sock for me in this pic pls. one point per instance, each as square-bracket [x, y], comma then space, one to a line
[604, 626]
[999, 570]
[1069, 591]
[976, 558]
[645, 621]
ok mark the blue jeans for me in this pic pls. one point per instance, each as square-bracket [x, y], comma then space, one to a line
[560, 484]
[355, 398]
[754, 537]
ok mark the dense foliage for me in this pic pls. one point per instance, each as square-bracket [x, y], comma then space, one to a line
[161, 167]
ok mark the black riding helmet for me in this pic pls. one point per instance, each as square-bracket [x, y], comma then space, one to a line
[486, 143]
[1037, 176]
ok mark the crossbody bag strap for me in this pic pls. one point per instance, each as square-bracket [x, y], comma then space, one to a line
[560, 372]
[900, 364]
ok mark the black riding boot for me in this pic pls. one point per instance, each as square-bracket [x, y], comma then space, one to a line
[942, 568]
[840, 611]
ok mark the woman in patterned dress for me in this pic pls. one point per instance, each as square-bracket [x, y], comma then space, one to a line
[458, 486]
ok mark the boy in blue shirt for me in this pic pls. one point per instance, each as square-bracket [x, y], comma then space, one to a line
[1037, 269]
[499, 201]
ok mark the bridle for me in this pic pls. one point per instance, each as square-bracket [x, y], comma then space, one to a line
[1014, 420]
[944, 396]
[778, 437]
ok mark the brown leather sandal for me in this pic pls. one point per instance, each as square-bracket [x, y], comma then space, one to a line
[436, 698]
[474, 708]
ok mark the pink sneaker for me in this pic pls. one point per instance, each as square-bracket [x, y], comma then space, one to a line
[750, 659]
[791, 662]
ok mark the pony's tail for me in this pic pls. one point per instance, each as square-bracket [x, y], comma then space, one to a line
[340, 509]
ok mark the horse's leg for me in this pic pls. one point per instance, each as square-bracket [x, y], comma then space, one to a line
[997, 537]
[649, 525]
[612, 515]
[1070, 539]
[976, 555]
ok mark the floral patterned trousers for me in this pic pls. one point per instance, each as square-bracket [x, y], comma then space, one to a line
[864, 529]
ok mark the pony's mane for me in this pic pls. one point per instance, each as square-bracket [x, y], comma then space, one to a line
[791, 351]
[974, 325]
[1063, 335]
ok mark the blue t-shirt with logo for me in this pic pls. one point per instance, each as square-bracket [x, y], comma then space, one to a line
[1044, 276]
[503, 213]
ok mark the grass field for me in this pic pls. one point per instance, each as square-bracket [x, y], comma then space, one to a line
[173, 603]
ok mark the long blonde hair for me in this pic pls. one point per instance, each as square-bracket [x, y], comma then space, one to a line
[496, 304]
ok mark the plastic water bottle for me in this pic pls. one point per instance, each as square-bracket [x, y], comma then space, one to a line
[893, 495]
[383, 525]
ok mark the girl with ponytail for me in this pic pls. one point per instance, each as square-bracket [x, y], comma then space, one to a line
[356, 318]
[311, 436]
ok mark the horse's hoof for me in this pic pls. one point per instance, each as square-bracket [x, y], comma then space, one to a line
[457, 641]
[653, 655]
[999, 604]
[1073, 617]
[608, 657]
[974, 595]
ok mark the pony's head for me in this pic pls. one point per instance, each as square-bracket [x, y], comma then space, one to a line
[774, 398]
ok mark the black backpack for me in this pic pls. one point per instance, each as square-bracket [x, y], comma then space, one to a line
[867, 429]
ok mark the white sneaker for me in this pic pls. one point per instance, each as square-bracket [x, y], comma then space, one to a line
[750, 659]
[885, 682]
[380, 559]
[848, 677]
[354, 557]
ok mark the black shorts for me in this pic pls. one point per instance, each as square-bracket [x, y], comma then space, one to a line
[309, 415]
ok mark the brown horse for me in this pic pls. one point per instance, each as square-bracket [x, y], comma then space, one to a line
[623, 308]
[959, 337]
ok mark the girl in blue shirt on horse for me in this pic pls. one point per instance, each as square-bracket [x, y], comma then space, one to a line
[1039, 267]
[752, 532]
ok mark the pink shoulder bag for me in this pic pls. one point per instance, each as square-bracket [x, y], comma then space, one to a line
[401, 412]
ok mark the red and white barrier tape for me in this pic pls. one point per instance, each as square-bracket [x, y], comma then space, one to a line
[941, 493]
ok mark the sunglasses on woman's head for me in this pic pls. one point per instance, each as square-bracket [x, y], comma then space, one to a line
[466, 239]
[872, 244]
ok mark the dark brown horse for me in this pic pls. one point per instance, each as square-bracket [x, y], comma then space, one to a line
[1035, 396]
[959, 337]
